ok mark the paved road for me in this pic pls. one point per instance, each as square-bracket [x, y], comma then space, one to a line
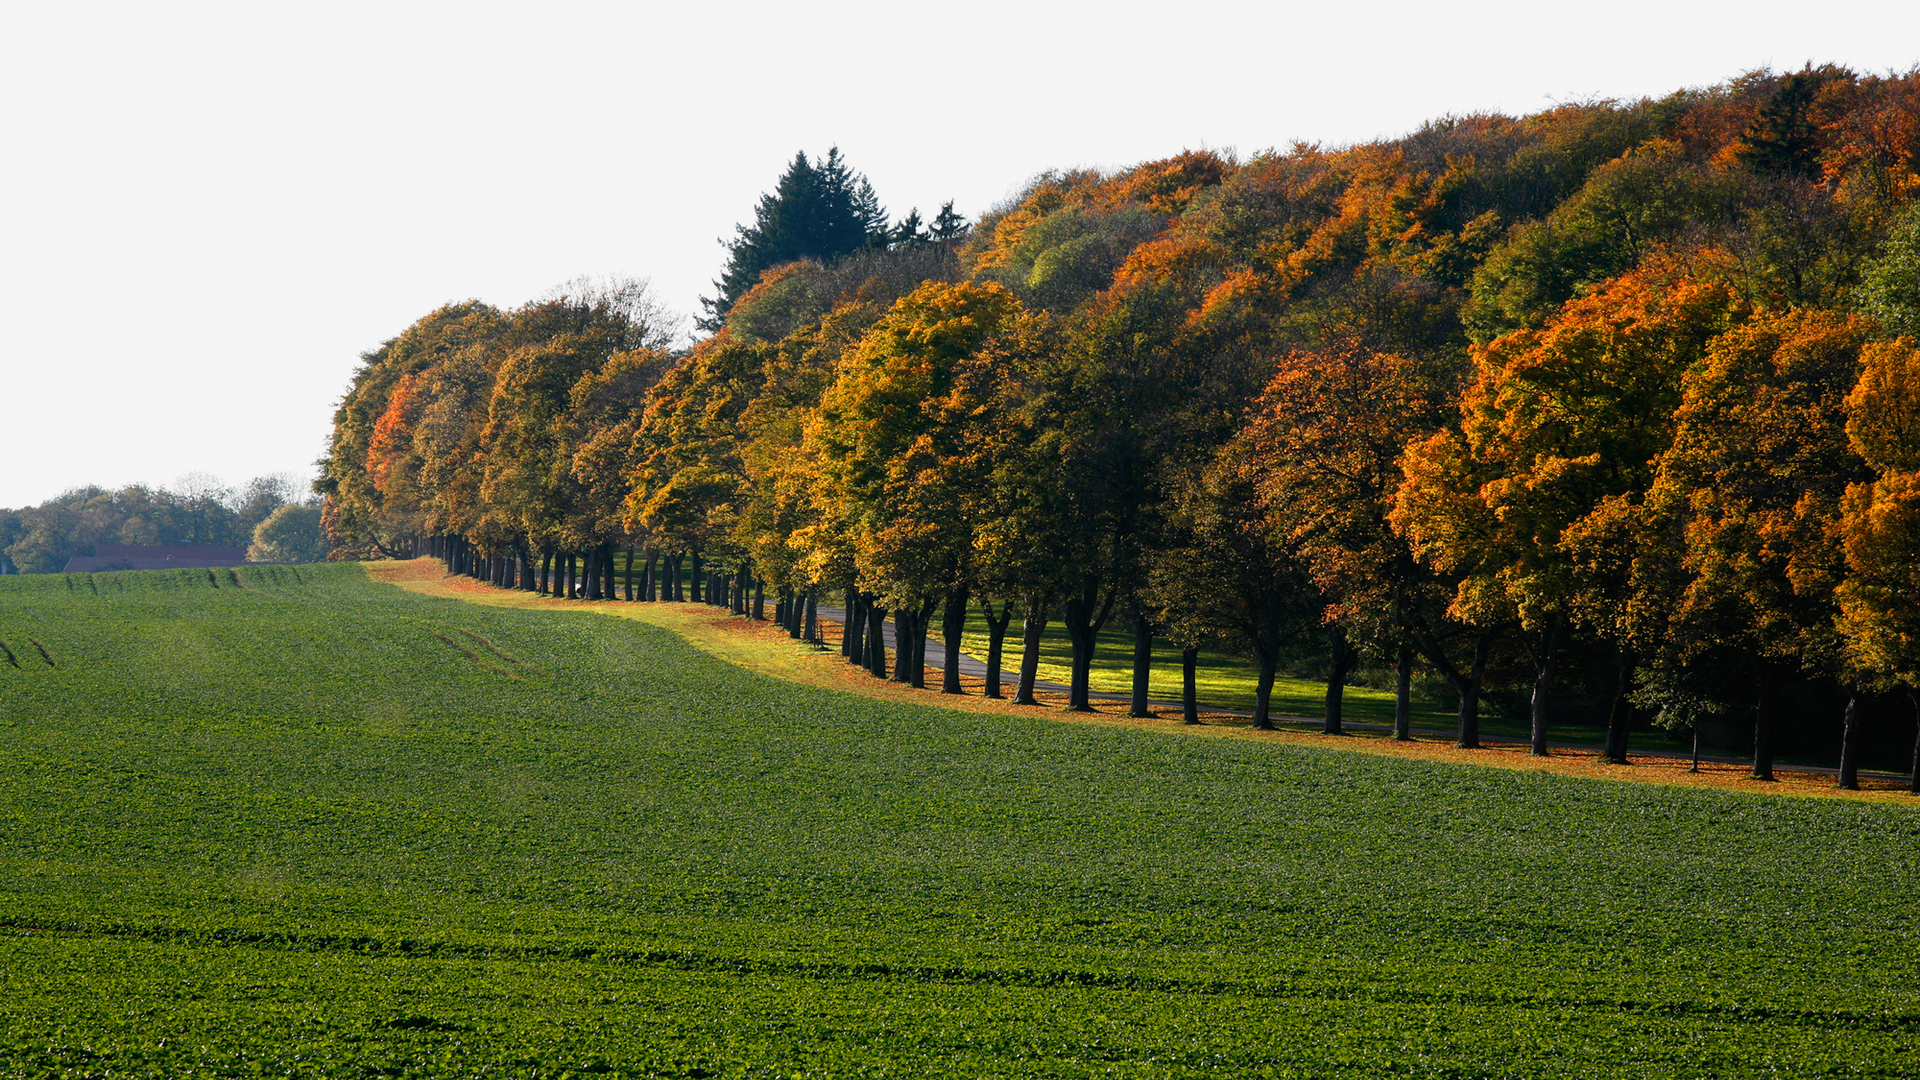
[1010, 676]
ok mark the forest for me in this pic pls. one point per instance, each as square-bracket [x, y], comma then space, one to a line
[1610, 409]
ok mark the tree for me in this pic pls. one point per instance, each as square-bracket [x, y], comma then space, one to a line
[1890, 287]
[814, 212]
[1555, 424]
[1880, 525]
[1327, 436]
[897, 435]
[290, 534]
[1750, 495]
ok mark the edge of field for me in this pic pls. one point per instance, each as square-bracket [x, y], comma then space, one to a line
[762, 647]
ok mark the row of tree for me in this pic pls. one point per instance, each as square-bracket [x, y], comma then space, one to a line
[1618, 391]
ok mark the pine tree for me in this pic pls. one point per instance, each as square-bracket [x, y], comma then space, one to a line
[819, 212]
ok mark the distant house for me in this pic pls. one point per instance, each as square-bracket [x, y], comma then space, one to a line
[156, 557]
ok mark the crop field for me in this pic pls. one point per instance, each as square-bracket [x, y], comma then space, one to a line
[294, 822]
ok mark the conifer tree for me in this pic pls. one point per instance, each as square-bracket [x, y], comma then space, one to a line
[815, 212]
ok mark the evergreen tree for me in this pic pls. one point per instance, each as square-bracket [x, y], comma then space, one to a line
[815, 212]
[948, 225]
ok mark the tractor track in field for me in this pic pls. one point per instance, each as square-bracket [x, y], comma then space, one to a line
[703, 962]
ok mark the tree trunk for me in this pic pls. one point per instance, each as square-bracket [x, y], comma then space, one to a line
[876, 638]
[1543, 664]
[1038, 608]
[1269, 653]
[922, 623]
[528, 581]
[759, 599]
[573, 575]
[1403, 697]
[996, 641]
[1763, 731]
[1142, 666]
[903, 644]
[1849, 741]
[1189, 685]
[740, 583]
[813, 617]
[1344, 657]
[795, 610]
[856, 633]
[1618, 716]
[546, 572]
[849, 619]
[696, 577]
[1468, 711]
[1913, 778]
[650, 583]
[632, 593]
[1084, 621]
[1696, 748]
[953, 627]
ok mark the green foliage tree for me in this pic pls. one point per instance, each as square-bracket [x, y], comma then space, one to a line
[291, 534]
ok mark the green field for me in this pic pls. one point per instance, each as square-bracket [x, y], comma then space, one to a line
[304, 824]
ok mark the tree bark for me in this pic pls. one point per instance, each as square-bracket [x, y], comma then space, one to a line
[953, 628]
[876, 638]
[996, 641]
[922, 623]
[630, 591]
[1467, 711]
[1543, 665]
[528, 581]
[1913, 778]
[855, 637]
[1189, 685]
[1849, 741]
[796, 604]
[1618, 716]
[1403, 697]
[1084, 621]
[759, 599]
[903, 644]
[813, 617]
[1039, 607]
[741, 580]
[1269, 653]
[1763, 731]
[849, 626]
[1142, 666]
[1344, 657]
[650, 585]
[696, 577]
[546, 571]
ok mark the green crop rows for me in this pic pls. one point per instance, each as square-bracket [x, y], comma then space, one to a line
[291, 822]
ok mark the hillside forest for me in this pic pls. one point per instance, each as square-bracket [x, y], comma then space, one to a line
[1613, 409]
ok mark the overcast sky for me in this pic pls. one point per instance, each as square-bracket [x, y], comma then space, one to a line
[208, 211]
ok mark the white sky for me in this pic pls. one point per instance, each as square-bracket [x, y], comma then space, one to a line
[207, 211]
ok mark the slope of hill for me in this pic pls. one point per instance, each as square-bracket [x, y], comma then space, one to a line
[287, 819]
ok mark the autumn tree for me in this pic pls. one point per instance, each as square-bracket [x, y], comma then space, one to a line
[1325, 440]
[1556, 426]
[1750, 495]
[1880, 527]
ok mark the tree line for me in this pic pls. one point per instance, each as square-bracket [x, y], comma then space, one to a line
[1619, 396]
[197, 509]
